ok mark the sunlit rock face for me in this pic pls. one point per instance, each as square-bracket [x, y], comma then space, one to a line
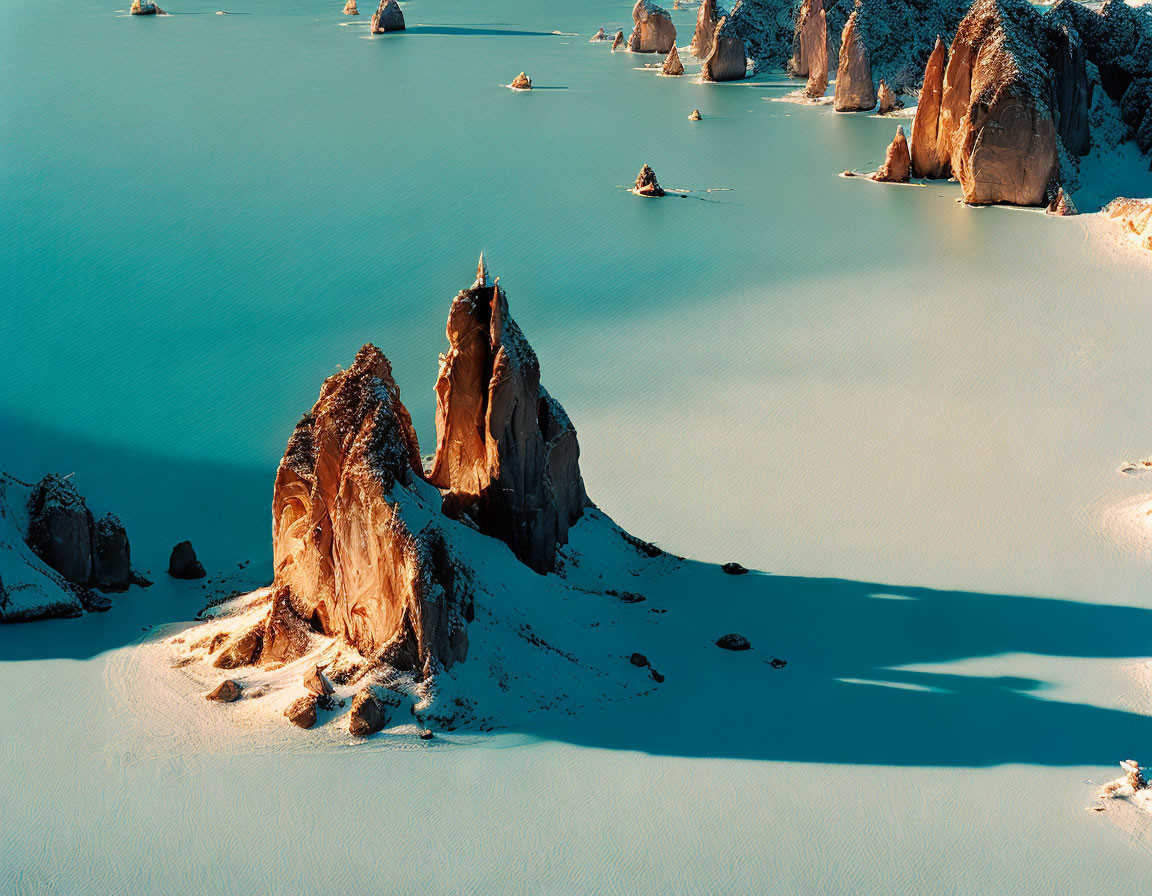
[506, 453]
[897, 165]
[855, 91]
[727, 60]
[1135, 215]
[707, 18]
[926, 161]
[388, 17]
[672, 64]
[810, 47]
[349, 557]
[653, 31]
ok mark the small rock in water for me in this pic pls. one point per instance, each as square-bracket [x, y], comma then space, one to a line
[388, 17]
[897, 167]
[350, 8]
[777, 663]
[733, 641]
[146, 9]
[646, 184]
[600, 35]
[302, 712]
[618, 40]
[695, 116]
[656, 676]
[734, 569]
[521, 82]
[638, 659]
[228, 691]
[672, 64]
[183, 563]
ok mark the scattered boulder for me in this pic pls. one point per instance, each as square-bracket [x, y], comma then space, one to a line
[653, 31]
[672, 64]
[183, 563]
[854, 89]
[885, 99]
[646, 184]
[521, 82]
[707, 18]
[695, 116]
[350, 8]
[600, 35]
[897, 167]
[1061, 205]
[638, 659]
[927, 161]
[368, 714]
[733, 641]
[315, 682]
[618, 40]
[388, 17]
[1136, 217]
[302, 711]
[734, 569]
[228, 691]
[727, 60]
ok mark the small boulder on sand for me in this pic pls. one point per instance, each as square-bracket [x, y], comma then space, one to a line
[228, 691]
[316, 682]
[734, 569]
[368, 714]
[302, 711]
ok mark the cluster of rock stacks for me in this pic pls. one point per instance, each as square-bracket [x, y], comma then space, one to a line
[810, 47]
[726, 61]
[653, 31]
[66, 553]
[388, 17]
[1013, 92]
[854, 89]
[358, 532]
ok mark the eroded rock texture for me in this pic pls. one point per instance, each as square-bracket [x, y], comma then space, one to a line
[672, 64]
[727, 60]
[810, 47]
[854, 89]
[926, 161]
[897, 165]
[349, 558]
[653, 31]
[707, 18]
[506, 453]
[388, 17]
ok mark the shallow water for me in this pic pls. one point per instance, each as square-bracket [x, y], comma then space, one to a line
[205, 215]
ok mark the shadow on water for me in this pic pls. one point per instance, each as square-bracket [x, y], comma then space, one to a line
[846, 696]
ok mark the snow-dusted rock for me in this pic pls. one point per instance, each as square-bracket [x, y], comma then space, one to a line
[854, 89]
[506, 452]
[926, 160]
[708, 16]
[897, 165]
[183, 564]
[646, 183]
[228, 691]
[388, 17]
[1135, 215]
[29, 588]
[653, 31]
[672, 64]
[727, 60]
[695, 116]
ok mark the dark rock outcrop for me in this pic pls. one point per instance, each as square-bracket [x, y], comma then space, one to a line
[368, 715]
[897, 167]
[183, 563]
[646, 184]
[734, 569]
[638, 659]
[726, 61]
[854, 89]
[653, 31]
[672, 64]
[504, 447]
[521, 82]
[733, 641]
[388, 17]
[926, 161]
[228, 691]
[708, 16]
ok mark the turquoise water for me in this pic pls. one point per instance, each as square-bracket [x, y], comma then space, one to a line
[202, 216]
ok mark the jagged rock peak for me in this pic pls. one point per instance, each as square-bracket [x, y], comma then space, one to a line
[810, 40]
[926, 161]
[854, 89]
[506, 453]
[727, 60]
[388, 17]
[897, 162]
[672, 64]
[646, 184]
[653, 31]
[695, 116]
[708, 16]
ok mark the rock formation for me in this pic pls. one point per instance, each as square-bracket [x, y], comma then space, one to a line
[183, 563]
[733, 641]
[388, 17]
[506, 452]
[926, 161]
[302, 711]
[672, 64]
[521, 82]
[618, 40]
[146, 9]
[707, 18]
[695, 116]
[727, 60]
[646, 184]
[809, 39]
[599, 35]
[1136, 217]
[854, 89]
[368, 715]
[1061, 205]
[350, 8]
[228, 691]
[885, 99]
[653, 31]
[897, 165]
